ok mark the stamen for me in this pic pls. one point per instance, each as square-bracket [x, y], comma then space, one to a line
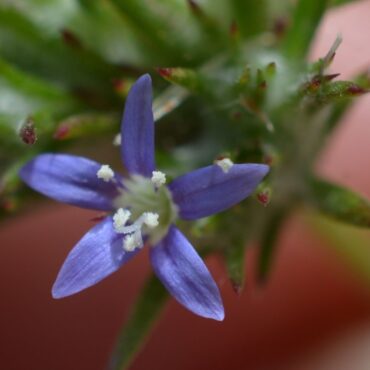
[117, 140]
[132, 241]
[225, 164]
[158, 178]
[120, 218]
[105, 173]
[150, 219]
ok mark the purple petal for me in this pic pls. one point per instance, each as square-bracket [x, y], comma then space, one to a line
[98, 254]
[69, 179]
[137, 130]
[209, 190]
[186, 277]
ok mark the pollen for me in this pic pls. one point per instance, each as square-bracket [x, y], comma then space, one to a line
[150, 219]
[105, 173]
[120, 218]
[117, 140]
[225, 164]
[158, 178]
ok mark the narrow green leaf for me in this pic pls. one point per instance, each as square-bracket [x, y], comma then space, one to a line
[340, 89]
[269, 237]
[235, 264]
[340, 106]
[147, 309]
[304, 23]
[340, 203]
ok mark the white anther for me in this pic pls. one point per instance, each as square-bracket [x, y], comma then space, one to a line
[132, 241]
[225, 164]
[105, 173]
[158, 178]
[150, 219]
[117, 140]
[120, 218]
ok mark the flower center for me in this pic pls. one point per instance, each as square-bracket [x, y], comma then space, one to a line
[145, 210]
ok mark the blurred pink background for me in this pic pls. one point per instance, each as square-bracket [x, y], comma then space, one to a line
[313, 315]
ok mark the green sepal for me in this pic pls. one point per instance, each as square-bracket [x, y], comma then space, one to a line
[339, 203]
[149, 305]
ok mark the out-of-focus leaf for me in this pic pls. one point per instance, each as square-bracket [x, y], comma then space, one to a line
[340, 203]
[340, 2]
[23, 95]
[47, 55]
[306, 17]
[147, 309]
[269, 238]
[250, 16]
[153, 23]
[349, 242]
[85, 125]
[208, 25]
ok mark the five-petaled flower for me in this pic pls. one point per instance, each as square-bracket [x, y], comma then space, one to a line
[142, 209]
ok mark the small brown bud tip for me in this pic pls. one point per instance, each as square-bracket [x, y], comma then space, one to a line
[118, 84]
[234, 29]
[268, 159]
[165, 72]
[61, 132]
[315, 82]
[236, 115]
[331, 77]
[194, 7]
[263, 85]
[70, 38]
[271, 68]
[8, 205]
[237, 287]
[264, 198]
[28, 132]
[280, 26]
[356, 90]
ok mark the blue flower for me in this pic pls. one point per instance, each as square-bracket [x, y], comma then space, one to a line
[142, 209]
